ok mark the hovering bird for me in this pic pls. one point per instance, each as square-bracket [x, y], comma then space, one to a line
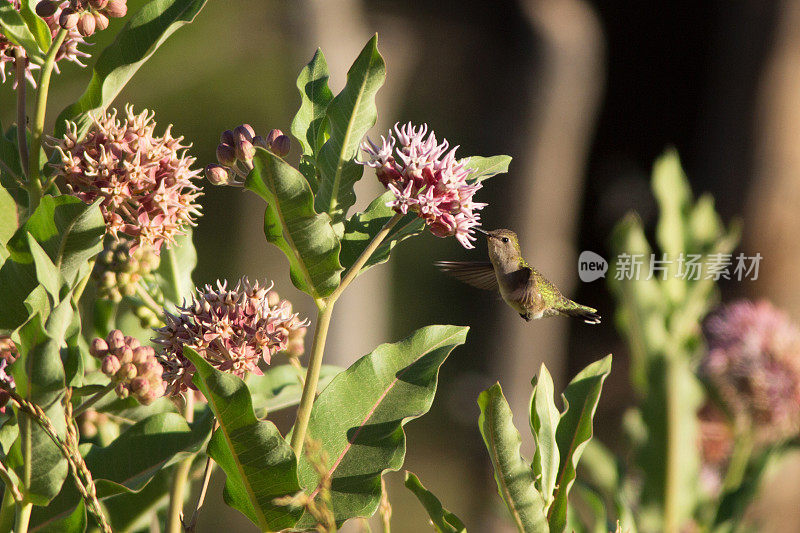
[522, 287]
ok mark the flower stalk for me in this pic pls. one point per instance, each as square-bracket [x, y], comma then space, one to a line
[175, 511]
[94, 399]
[325, 307]
[22, 126]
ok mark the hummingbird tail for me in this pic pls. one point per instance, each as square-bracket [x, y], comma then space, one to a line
[588, 314]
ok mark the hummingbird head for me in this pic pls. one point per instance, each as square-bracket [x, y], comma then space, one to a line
[503, 246]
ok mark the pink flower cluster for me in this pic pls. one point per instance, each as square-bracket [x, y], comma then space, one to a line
[131, 366]
[145, 181]
[426, 179]
[231, 329]
[754, 363]
[68, 49]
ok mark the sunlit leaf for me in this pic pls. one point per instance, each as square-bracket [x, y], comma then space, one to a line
[443, 520]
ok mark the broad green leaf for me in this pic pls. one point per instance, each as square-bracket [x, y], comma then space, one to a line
[544, 416]
[178, 261]
[515, 479]
[132, 512]
[443, 520]
[73, 522]
[349, 116]
[127, 464]
[68, 230]
[574, 432]
[144, 32]
[280, 388]
[308, 126]
[485, 167]
[259, 464]
[9, 215]
[359, 417]
[361, 228]
[291, 224]
[37, 25]
[46, 272]
[15, 30]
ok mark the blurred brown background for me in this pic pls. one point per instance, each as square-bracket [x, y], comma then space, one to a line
[583, 94]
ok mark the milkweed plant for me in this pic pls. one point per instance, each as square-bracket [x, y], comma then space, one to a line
[122, 382]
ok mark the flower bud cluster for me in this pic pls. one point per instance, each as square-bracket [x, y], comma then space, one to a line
[90, 421]
[8, 354]
[427, 180]
[51, 14]
[132, 367]
[231, 329]
[83, 16]
[236, 150]
[144, 181]
[119, 270]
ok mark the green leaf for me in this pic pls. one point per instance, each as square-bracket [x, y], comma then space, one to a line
[485, 167]
[37, 25]
[349, 115]
[361, 228]
[133, 511]
[72, 522]
[308, 126]
[359, 417]
[443, 520]
[515, 479]
[544, 417]
[9, 216]
[574, 432]
[259, 464]
[291, 224]
[280, 388]
[175, 269]
[46, 272]
[145, 31]
[69, 231]
[16, 31]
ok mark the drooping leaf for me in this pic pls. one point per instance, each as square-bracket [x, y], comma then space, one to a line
[443, 520]
[16, 31]
[290, 223]
[259, 464]
[359, 417]
[280, 388]
[308, 126]
[349, 115]
[574, 432]
[544, 416]
[485, 167]
[144, 32]
[36, 24]
[9, 215]
[175, 269]
[514, 477]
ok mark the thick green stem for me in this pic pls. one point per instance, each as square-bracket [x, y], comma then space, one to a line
[181, 475]
[23, 517]
[93, 400]
[27, 451]
[7, 509]
[312, 377]
[674, 451]
[22, 121]
[321, 334]
[742, 450]
[37, 128]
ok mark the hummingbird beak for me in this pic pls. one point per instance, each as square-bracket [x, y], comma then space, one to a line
[479, 230]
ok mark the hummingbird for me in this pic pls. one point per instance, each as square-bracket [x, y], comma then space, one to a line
[523, 288]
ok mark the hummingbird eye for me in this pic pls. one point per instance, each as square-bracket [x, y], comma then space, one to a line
[505, 239]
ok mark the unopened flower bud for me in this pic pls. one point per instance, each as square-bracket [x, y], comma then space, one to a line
[227, 137]
[226, 154]
[272, 135]
[68, 18]
[281, 145]
[46, 8]
[273, 298]
[150, 396]
[141, 355]
[258, 140]
[116, 9]
[125, 355]
[127, 372]
[244, 150]
[100, 21]
[139, 385]
[115, 339]
[98, 348]
[86, 24]
[217, 175]
[98, 4]
[110, 365]
[122, 390]
[132, 342]
[245, 131]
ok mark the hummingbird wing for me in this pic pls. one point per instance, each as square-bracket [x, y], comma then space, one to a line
[479, 274]
[527, 292]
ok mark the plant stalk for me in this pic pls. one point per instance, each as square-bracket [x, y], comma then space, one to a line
[37, 128]
[325, 307]
[22, 120]
[175, 511]
[93, 400]
[23, 517]
[674, 450]
[190, 526]
[7, 509]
